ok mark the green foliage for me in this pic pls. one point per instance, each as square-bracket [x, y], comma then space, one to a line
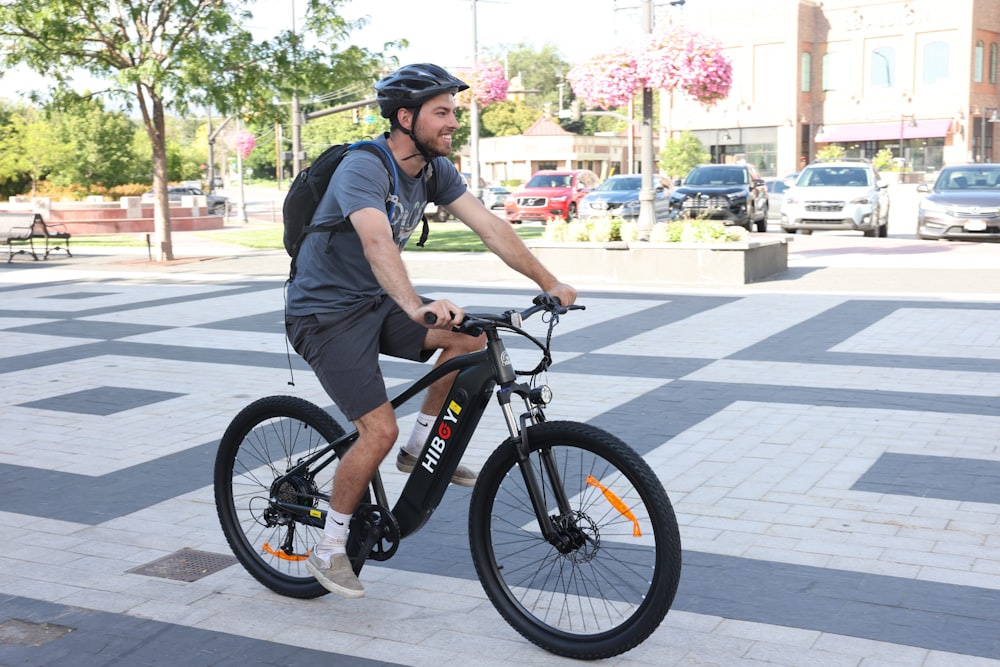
[596, 230]
[883, 159]
[696, 230]
[504, 119]
[831, 152]
[680, 155]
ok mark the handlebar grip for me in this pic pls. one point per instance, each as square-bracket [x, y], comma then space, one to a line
[430, 318]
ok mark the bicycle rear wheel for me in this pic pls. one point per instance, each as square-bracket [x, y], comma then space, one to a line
[611, 581]
[264, 441]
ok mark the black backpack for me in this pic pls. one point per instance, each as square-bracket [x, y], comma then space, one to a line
[308, 188]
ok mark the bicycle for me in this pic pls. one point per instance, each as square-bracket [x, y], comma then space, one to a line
[572, 535]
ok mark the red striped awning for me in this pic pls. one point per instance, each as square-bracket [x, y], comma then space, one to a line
[884, 131]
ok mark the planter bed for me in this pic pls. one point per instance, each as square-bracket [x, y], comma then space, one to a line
[734, 263]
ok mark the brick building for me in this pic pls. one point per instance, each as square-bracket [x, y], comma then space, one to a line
[918, 77]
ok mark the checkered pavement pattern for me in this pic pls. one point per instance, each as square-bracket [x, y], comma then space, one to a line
[834, 462]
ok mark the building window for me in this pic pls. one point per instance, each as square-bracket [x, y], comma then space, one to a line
[935, 62]
[977, 64]
[807, 61]
[993, 63]
[831, 72]
[883, 67]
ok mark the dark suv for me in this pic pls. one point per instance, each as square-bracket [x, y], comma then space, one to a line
[550, 194]
[732, 193]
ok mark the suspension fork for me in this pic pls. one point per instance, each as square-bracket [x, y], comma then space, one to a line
[519, 429]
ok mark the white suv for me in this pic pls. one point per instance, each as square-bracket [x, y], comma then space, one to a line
[845, 194]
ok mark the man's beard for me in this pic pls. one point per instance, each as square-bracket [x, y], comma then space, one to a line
[434, 145]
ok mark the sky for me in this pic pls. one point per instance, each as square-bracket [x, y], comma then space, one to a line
[441, 31]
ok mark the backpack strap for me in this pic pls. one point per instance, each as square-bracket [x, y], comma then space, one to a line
[345, 225]
[430, 192]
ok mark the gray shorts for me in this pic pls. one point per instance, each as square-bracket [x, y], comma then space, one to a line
[343, 347]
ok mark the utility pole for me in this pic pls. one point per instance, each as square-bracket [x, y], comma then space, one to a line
[474, 112]
[647, 214]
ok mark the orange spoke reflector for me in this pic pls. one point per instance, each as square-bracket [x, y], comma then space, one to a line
[282, 555]
[617, 503]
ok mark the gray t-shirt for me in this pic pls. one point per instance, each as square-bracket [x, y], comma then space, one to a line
[332, 273]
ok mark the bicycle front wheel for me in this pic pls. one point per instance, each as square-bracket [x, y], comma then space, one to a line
[608, 578]
[262, 443]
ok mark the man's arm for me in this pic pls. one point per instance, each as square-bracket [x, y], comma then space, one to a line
[372, 226]
[499, 237]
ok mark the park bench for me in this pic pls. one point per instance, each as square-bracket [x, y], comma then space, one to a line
[21, 228]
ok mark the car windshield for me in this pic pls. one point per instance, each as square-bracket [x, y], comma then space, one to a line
[551, 181]
[847, 177]
[969, 178]
[620, 184]
[716, 176]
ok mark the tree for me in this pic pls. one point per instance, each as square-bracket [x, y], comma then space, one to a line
[30, 144]
[505, 119]
[156, 54]
[682, 154]
[98, 143]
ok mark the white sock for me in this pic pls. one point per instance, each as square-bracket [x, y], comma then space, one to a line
[334, 534]
[418, 436]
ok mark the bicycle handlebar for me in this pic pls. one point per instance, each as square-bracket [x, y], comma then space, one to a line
[473, 322]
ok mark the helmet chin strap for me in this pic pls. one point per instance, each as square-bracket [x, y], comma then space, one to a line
[421, 150]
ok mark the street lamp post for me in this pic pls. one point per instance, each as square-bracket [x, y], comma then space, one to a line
[647, 214]
[982, 134]
[902, 124]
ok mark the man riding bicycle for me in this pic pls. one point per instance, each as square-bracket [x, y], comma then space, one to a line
[352, 299]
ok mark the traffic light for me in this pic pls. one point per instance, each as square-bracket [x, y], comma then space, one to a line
[574, 110]
[355, 116]
[547, 111]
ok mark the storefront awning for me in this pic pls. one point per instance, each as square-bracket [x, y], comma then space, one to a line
[884, 131]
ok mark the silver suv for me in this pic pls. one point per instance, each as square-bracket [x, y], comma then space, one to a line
[843, 194]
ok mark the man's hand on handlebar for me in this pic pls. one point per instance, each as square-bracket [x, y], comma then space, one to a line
[565, 293]
[441, 314]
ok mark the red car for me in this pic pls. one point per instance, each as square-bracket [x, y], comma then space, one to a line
[550, 194]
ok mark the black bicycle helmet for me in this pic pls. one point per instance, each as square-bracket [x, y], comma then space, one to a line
[412, 85]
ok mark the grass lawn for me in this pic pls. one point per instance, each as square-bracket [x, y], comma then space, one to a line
[444, 237]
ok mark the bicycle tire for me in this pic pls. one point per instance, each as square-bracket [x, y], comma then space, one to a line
[608, 594]
[261, 443]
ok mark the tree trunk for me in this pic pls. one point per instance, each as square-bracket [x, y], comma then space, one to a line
[161, 206]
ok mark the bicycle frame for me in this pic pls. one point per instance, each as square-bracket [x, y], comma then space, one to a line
[478, 373]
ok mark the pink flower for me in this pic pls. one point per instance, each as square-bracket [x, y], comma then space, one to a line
[245, 142]
[673, 59]
[488, 83]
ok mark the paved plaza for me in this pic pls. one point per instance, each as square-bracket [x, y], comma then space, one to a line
[830, 440]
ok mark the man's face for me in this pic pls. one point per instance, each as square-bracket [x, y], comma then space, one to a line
[436, 124]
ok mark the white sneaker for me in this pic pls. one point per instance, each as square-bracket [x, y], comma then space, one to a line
[335, 574]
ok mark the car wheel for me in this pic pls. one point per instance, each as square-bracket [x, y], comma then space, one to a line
[762, 221]
[788, 231]
[883, 230]
[571, 211]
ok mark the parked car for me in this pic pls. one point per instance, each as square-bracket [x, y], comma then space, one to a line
[963, 204]
[494, 196]
[775, 196]
[618, 197]
[732, 193]
[842, 194]
[550, 194]
[440, 213]
[217, 204]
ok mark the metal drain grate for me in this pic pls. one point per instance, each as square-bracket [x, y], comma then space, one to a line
[186, 565]
[27, 633]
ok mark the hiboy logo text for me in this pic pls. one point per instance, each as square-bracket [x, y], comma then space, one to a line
[440, 441]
